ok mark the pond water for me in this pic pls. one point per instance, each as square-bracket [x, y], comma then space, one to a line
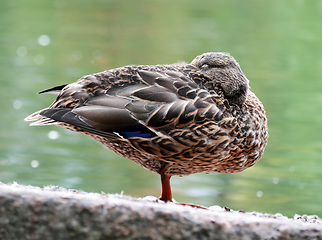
[278, 44]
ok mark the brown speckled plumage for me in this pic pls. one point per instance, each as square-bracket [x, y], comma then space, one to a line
[174, 119]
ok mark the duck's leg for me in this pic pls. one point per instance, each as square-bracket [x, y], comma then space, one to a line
[166, 194]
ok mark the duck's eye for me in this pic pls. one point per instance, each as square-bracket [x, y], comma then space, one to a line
[204, 66]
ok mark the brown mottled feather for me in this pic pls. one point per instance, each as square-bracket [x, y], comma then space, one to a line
[189, 118]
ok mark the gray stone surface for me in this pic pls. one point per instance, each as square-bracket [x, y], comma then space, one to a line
[56, 213]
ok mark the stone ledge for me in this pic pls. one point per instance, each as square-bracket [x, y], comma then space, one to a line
[28, 212]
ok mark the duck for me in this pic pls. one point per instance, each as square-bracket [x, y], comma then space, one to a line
[174, 120]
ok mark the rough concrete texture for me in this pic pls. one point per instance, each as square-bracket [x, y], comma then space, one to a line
[56, 213]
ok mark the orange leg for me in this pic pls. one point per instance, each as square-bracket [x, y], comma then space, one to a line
[166, 194]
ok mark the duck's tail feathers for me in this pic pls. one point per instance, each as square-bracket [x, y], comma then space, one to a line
[54, 90]
[40, 120]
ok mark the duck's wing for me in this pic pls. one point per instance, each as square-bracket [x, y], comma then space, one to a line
[157, 104]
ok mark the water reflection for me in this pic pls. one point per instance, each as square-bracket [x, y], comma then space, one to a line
[277, 43]
[43, 40]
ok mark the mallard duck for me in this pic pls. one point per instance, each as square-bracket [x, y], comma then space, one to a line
[175, 119]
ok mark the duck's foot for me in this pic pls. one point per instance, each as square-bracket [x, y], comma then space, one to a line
[185, 204]
[191, 205]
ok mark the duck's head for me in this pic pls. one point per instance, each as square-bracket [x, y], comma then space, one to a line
[223, 69]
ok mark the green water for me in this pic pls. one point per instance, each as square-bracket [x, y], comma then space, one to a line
[278, 44]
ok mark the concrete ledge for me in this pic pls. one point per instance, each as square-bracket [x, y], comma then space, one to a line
[56, 213]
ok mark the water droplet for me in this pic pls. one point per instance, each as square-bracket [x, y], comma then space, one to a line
[39, 59]
[53, 135]
[276, 180]
[22, 51]
[44, 40]
[259, 193]
[34, 163]
[17, 104]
